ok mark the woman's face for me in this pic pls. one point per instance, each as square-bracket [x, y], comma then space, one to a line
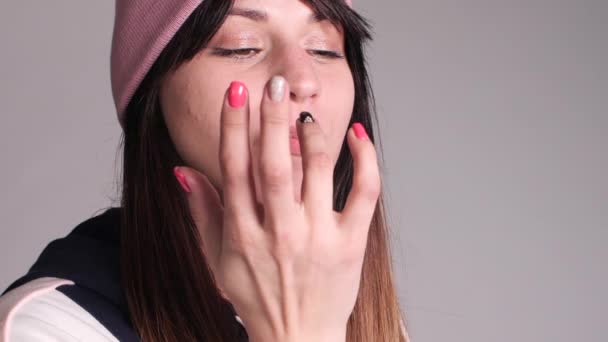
[278, 37]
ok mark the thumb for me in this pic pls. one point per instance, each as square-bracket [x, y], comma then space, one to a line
[206, 210]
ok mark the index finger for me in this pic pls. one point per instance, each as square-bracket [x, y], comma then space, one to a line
[235, 160]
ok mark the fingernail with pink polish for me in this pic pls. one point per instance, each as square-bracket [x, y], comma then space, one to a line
[360, 131]
[237, 94]
[181, 178]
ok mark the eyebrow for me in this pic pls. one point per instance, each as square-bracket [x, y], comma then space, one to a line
[257, 15]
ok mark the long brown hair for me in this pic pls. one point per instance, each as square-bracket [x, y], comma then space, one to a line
[170, 290]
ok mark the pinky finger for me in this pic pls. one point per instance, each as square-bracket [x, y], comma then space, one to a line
[363, 197]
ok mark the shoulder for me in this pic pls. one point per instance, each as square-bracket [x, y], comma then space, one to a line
[38, 310]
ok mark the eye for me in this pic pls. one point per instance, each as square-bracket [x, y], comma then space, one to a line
[250, 52]
[328, 53]
[236, 53]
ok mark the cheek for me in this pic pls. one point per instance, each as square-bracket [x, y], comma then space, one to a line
[190, 96]
[191, 106]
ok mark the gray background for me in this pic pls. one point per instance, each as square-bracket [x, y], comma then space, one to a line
[495, 127]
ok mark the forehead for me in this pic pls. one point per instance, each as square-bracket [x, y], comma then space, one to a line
[273, 9]
[283, 14]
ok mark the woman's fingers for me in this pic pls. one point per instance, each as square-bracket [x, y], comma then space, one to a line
[318, 168]
[363, 196]
[206, 210]
[235, 157]
[275, 170]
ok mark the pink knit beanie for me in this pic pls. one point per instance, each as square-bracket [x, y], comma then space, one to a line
[142, 29]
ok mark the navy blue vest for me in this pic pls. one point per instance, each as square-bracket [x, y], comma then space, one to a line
[90, 257]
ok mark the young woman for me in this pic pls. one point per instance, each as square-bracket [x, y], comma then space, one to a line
[251, 202]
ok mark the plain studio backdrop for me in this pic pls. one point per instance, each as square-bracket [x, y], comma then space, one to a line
[494, 117]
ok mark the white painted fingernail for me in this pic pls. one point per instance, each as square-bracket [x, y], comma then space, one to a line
[277, 88]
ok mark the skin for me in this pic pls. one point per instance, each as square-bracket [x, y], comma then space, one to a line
[192, 97]
[289, 264]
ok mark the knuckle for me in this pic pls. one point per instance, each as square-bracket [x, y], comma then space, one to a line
[233, 121]
[231, 167]
[241, 242]
[233, 118]
[230, 181]
[369, 152]
[230, 160]
[370, 187]
[320, 160]
[228, 157]
[314, 135]
[368, 177]
[240, 236]
[311, 131]
[274, 176]
[284, 244]
[274, 119]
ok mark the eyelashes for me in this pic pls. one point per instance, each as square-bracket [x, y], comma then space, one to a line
[245, 53]
[236, 53]
[328, 53]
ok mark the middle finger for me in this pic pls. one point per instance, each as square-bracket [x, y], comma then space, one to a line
[275, 158]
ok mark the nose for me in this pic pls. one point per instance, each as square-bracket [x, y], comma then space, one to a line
[297, 66]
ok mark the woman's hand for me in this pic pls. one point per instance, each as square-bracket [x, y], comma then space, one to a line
[290, 268]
